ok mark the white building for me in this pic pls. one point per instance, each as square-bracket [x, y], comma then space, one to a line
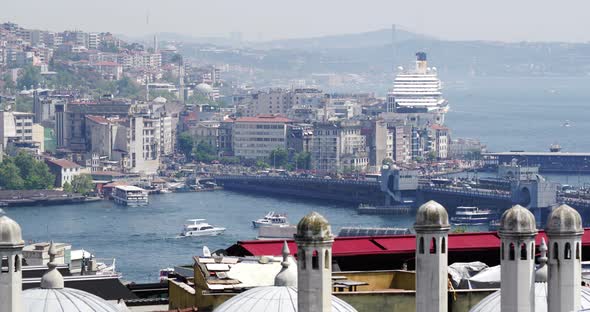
[339, 146]
[64, 170]
[257, 137]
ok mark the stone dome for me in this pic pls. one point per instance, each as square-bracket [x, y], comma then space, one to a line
[564, 220]
[160, 100]
[492, 303]
[313, 227]
[10, 232]
[271, 299]
[204, 88]
[518, 220]
[64, 300]
[432, 215]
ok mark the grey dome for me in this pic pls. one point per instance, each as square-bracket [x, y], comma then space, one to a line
[564, 220]
[204, 88]
[313, 227]
[519, 221]
[271, 299]
[10, 232]
[432, 215]
[492, 303]
[64, 300]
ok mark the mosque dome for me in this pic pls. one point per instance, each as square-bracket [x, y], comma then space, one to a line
[53, 296]
[517, 220]
[204, 88]
[492, 302]
[10, 232]
[64, 300]
[160, 100]
[564, 220]
[313, 226]
[432, 215]
[271, 299]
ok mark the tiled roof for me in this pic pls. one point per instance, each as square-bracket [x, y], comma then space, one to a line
[64, 163]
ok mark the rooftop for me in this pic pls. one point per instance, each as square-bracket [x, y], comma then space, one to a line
[64, 163]
[265, 118]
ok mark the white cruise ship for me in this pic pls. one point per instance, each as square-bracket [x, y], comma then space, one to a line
[417, 90]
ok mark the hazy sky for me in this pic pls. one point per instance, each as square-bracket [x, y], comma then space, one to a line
[507, 20]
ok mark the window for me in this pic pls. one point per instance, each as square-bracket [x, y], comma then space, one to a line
[567, 252]
[512, 255]
[443, 246]
[315, 261]
[502, 251]
[433, 245]
[327, 260]
[17, 263]
[577, 251]
[555, 251]
[4, 268]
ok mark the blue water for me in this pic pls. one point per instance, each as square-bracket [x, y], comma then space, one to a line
[521, 113]
[145, 239]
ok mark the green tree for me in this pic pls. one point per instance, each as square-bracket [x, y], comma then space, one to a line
[35, 174]
[185, 144]
[82, 184]
[279, 157]
[24, 104]
[261, 164]
[229, 160]
[29, 77]
[10, 176]
[431, 156]
[127, 88]
[167, 95]
[303, 160]
[68, 187]
[204, 152]
[8, 82]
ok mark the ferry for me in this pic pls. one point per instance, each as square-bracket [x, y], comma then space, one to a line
[271, 219]
[198, 227]
[471, 216]
[417, 89]
[130, 195]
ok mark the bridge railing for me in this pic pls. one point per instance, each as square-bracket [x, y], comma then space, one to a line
[497, 194]
[297, 180]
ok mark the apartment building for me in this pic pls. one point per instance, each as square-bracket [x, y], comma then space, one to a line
[339, 147]
[281, 101]
[256, 137]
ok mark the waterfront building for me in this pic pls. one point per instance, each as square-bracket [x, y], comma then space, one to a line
[63, 170]
[339, 146]
[438, 141]
[17, 131]
[281, 101]
[256, 137]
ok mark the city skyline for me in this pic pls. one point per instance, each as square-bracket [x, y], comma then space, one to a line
[544, 22]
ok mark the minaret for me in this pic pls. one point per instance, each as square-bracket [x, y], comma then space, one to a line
[517, 259]
[11, 247]
[314, 264]
[432, 227]
[564, 229]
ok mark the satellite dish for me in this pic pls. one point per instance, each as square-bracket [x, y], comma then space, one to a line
[206, 252]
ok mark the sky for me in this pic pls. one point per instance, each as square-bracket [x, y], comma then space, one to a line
[501, 20]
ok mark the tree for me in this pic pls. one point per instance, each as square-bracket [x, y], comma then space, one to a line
[10, 176]
[303, 160]
[186, 144]
[82, 184]
[279, 157]
[127, 88]
[229, 160]
[29, 78]
[431, 156]
[8, 82]
[261, 164]
[34, 173]
[68, 187]
[204, 152]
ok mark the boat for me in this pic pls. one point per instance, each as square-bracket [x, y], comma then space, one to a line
[271, 219]
[494, 225]
[130, 195]
[198, 227]
[417, 89]
[471, 216]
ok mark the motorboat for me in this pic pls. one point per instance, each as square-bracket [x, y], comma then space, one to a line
[471, 216]
[198, 227]
[271, 219]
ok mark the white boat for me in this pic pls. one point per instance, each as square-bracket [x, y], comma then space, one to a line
[271, 219]
[130, 195]
[198, 227]
[471, 216]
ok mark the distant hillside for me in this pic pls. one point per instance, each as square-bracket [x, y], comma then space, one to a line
[377, 38]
